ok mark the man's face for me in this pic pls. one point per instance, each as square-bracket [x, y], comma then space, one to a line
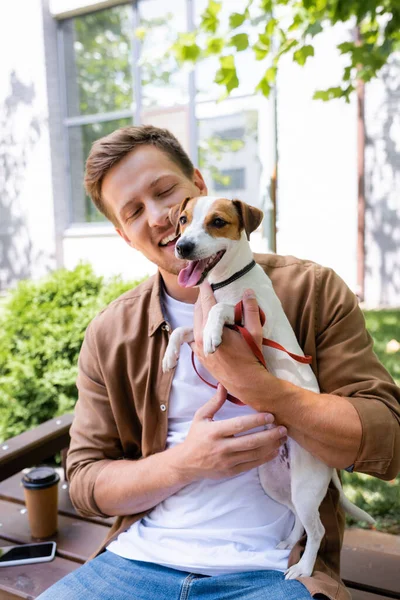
[140, 190]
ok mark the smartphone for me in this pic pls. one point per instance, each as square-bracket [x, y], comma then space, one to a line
[27, 554]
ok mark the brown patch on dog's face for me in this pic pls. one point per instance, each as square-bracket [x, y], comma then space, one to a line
[185, 216]
[223, 220]
[175, 214]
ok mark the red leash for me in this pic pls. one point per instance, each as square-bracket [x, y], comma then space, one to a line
[253, 346]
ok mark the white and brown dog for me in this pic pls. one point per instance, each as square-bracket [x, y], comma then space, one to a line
[214, 239]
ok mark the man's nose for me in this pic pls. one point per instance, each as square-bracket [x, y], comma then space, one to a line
[157, 214]
[184, 248]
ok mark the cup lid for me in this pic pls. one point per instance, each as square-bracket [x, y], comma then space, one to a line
[40, 477]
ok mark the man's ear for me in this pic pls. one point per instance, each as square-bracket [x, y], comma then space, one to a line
[124, 236]
[174, 213]
[250, 216]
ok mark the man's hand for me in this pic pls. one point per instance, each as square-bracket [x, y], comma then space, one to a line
[211, 450]
[233, 359]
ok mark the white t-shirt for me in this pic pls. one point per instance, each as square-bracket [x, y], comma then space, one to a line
[210, 527]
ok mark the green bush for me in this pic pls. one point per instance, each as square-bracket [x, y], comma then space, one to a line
[42, 325]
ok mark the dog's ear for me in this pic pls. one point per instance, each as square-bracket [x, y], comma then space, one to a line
[174, 213]
[250, 216]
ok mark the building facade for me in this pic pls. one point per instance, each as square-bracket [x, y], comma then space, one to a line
[75, 70]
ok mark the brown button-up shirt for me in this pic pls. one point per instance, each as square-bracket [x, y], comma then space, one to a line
[122, 411]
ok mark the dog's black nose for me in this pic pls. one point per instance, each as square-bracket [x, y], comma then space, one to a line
[184, 248]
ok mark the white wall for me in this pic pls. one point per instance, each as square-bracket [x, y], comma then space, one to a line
[106, 251]
[382, 161]
[27, 241]
[317, 175]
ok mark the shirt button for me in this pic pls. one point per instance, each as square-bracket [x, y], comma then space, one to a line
[163, 407]
[165, 327]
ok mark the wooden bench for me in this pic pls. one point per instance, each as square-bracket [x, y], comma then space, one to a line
[370, 559]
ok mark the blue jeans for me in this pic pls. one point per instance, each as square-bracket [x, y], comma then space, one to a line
[110, 577]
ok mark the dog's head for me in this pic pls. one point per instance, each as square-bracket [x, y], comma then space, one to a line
[209, 228]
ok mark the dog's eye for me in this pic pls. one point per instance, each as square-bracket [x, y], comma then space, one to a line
[219, 222]
[183, 220]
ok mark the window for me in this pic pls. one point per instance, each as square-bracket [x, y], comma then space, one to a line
[99, 91]
[98, 61]
[118, 71]
[236, 153]
[235, 133]
[230, 179]
[164, 83]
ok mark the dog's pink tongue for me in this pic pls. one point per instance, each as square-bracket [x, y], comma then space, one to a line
[190, 275]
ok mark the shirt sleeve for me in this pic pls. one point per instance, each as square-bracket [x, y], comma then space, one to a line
[94, 436]
[348, 367]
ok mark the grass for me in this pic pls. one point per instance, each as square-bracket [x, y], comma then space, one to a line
[381, 499]
[384, 326]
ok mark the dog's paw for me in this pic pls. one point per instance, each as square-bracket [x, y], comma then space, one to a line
[298, 570]
[211, 341]
[169, 361]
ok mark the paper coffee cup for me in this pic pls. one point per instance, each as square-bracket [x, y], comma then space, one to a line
[41, 499]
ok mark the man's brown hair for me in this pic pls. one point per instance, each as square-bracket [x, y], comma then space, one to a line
[109, 150]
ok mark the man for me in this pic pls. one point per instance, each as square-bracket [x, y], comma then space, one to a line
[180, 469]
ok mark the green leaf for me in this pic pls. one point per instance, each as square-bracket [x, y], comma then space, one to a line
[262, 47]
[266, 6]
[347, 92]
[270, 74]
[237, 19]
[226, 74]
[321, 5]
[240, 41]
[329, 94]
[264, 87]
[186, 48]
[209, 18]
[347, 73]
[140, 33]
[314, 28]
[301, 55]
[298, 20]
[346, 47]
[286, 46]
[270, 27]
[265, 84]
[215, 45]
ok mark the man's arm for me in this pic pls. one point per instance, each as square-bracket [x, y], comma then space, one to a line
[209, 452]
[357, 422]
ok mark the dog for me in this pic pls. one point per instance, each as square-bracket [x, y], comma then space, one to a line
[214, 234]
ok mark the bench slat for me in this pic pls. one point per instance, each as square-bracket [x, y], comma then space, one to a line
[29, 581]
[370, 560]
[76, 539]
[372, 571]
[34, 446]
[360, 595]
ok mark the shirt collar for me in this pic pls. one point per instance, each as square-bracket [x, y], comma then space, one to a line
[156, 315]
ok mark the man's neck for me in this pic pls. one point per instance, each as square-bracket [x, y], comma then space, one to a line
[173, 289]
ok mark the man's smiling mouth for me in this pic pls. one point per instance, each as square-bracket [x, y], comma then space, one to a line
[169, 240]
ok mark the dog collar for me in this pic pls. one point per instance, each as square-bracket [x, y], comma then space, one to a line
[234, 277]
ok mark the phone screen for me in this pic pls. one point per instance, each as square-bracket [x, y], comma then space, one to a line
[24, 552]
